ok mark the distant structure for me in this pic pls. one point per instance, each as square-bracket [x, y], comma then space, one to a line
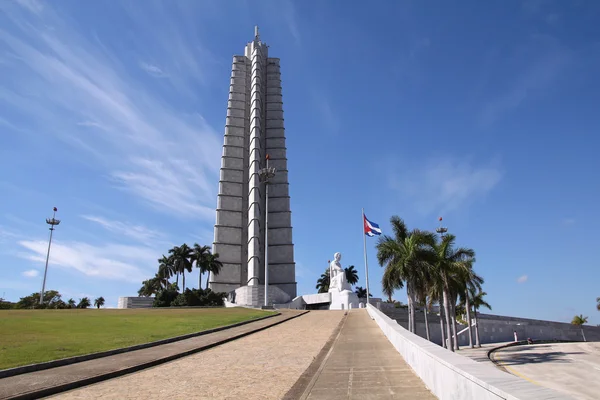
[254, 128]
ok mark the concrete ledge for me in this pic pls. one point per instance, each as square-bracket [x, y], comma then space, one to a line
[452, 376]
[5, 373]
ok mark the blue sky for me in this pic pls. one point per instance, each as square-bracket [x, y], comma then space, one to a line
[482, 112]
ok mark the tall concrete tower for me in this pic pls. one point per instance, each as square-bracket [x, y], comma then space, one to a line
[254, 129]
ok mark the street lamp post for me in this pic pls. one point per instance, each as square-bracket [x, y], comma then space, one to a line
[265, 174]
[52, 222]
[441, 230]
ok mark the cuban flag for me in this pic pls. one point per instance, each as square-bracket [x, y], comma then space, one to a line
[371, 228]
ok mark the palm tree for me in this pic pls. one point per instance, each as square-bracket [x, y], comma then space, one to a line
[84, 303]
[150, 286]
[579, 320]
[165, 269]
[351, 275]
[199, 255]
[435, 290]
[470, 279]
[72, 303]
[478, 301]
[182, 256]
[406, 257]
[213, 266]
[99, 302]
[449, 263]
[361, 292]
[323, 282]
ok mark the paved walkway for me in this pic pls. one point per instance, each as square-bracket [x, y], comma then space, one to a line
[264, 365]
[363, 364]
[52, 379]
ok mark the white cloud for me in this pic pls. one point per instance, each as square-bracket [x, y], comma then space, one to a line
[522, 279]
[137, 232]
[32, 273]
[445, 184]
[31, 5]
[109, 261]
[147, 149]
[153, 70]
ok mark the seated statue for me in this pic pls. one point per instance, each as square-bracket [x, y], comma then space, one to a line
[337, 275]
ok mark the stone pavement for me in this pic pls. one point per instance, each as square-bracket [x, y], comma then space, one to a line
[363, 364]
[52, 380]
[264, 365]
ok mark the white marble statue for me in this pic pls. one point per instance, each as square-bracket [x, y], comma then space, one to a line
[337, 275]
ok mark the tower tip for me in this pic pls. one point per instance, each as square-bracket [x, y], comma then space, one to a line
[256, 32]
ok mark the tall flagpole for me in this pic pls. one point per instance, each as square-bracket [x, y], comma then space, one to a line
[365, 248]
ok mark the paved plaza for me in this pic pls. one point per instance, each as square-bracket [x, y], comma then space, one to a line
[264, 365]
[364, 365]
[571, 368]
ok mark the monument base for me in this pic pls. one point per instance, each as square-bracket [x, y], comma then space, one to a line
[254, 296]
[344, 300]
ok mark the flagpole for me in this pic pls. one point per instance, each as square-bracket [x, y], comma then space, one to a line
[365, 250]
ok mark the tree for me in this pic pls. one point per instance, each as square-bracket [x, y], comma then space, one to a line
[166, 269]
[579, 320]
[182, 256]
[150, 286]
[468, 280]
[351, 275]
[449, 263]
[199, 256]
[598, 304]
[52, 299]
[323, 282]
[71, 303]
[213, 266]
[406, 258]
[478, 301]
[84, 303]
[99, 302]
[361, 292]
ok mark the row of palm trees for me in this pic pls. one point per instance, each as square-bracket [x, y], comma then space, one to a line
[182, 259]
[434, 271]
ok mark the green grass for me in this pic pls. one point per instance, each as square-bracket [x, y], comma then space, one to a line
[33, 336]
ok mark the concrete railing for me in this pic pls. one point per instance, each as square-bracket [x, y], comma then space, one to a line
[452, 376]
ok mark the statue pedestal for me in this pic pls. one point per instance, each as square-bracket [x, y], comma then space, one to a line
[344, 300]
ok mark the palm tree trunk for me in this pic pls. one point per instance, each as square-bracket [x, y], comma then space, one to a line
[183, 280]
[426, 322]
[409, 306]
[448, 323]
[468, 307]
[199, 278]
[207, 278]
[442, 326]
[477, 342]
[454, 331]
[177, 280]
[413, 300]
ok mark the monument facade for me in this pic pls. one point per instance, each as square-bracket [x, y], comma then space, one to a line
[254, 128]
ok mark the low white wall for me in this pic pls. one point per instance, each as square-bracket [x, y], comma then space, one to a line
[452, 376]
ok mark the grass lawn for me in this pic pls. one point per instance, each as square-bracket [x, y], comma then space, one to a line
[33, 336]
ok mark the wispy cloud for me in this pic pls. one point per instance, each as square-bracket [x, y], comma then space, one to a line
[109, 261]
[137, 232]
[32, 273]
[147, 150]
[153, 70]
[325, 109]
[522, 279]
[568, 221]
[446, 184]
[534, 66]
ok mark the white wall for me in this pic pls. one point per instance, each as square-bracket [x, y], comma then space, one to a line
[452, 376]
